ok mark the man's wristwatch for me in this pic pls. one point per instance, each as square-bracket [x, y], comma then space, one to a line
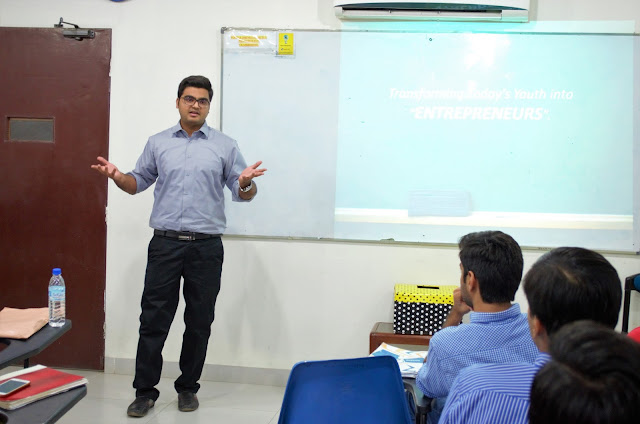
[247, 188]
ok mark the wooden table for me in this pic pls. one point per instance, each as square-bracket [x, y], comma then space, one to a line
[383, 332]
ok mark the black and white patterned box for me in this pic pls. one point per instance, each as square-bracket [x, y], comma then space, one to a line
[421, 309]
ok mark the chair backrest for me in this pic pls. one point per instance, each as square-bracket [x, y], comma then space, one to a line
[631, 283]
[361, 390]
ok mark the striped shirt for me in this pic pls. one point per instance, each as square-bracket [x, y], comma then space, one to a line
[492, 394]
[490, 338]
[190, 174]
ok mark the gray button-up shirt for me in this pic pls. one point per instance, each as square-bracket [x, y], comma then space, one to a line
[190, 174]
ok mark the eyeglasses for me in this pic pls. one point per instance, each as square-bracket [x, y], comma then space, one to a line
[190, 100]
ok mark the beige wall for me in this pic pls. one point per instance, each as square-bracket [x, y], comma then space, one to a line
[281, 301]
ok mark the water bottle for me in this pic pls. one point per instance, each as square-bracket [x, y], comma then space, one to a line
[56, 299]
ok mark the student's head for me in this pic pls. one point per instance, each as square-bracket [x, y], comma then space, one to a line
[197, 81]
[494, 259]
[569, 284]
[592, 378]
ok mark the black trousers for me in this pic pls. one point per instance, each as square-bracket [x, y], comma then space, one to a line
[199, 262]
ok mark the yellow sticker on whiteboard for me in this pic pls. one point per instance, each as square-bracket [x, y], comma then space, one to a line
[285, 43]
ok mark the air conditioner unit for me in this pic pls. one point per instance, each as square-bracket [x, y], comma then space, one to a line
[444, 10]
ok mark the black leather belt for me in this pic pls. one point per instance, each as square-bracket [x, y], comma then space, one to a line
[184, 235]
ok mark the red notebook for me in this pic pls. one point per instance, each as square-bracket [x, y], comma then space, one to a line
[44, 382]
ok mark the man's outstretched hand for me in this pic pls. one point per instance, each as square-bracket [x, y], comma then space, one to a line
[106, 168]
[250, 173]
[124, 181]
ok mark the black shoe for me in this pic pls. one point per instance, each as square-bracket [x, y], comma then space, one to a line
[187, 401]
[140, 406]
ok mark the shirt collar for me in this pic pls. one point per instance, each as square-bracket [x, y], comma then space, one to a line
[204, 129]
[490, 317]
[541, 359]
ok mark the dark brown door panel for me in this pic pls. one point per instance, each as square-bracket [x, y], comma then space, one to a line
[54, 121]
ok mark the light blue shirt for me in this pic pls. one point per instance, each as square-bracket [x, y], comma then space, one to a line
[190, 174]
[490, 338]
[492, 394]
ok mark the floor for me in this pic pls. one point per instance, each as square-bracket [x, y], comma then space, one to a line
[109, 395]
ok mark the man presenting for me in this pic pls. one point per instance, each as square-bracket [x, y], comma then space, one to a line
[491, 268]
[190, 164]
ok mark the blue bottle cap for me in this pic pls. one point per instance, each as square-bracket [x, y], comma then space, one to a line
[57, 271]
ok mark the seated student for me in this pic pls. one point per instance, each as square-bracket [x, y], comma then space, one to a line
[491, 269]
[565, 285]
[593, 378]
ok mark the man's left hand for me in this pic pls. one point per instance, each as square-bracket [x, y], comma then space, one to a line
[250, 173]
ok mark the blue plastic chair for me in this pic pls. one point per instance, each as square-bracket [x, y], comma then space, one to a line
[361, 390]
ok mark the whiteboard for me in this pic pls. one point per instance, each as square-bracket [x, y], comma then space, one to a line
[422, 137]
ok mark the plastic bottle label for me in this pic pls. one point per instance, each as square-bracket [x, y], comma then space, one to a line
[56, 294]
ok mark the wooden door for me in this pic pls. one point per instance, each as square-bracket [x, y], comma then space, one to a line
[54, 121]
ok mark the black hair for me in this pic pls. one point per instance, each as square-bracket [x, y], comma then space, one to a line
[197, 81]
[496, 261]
[593, 378]
[571, 283]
